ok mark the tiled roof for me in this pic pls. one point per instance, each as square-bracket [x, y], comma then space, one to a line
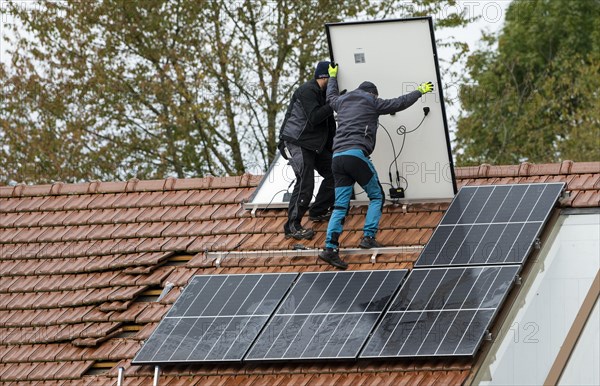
[77, 262]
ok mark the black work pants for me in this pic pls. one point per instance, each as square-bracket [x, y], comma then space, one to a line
[304, 162]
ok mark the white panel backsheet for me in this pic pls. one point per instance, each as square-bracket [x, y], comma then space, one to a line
[276, 183]
[397, 56]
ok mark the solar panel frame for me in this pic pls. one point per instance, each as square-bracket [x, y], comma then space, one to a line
[479, 316]
[457, 242]
[321, 342]
[189, 334]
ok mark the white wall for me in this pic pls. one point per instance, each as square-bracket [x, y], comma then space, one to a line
[545, 308]
[587, 350]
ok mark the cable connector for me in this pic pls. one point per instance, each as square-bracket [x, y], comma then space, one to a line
[426, 110]
[396, 193]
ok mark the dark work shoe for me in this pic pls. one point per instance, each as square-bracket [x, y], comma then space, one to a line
[320, 217]
[332, 257]
[369, 242]
[300, 234]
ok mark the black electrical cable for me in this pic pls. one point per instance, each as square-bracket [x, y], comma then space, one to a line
[401, 130]
[393, 150]
[276, 193]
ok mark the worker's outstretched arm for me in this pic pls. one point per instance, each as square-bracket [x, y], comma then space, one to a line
[333, 93]
[389, 106]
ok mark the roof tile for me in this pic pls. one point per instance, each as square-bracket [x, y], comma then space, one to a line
[229, 211]
[152, 214]
[79, 202]
[585, 199]
[9, 205]
[585, 167]
[177, 213]
[35, 219]
[8, 219]
[178, 244]
[128, 215]
[54, 203]
[27, 204]
[583, 182]
[203, 212]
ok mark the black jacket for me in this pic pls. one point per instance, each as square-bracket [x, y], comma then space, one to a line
[309, 121]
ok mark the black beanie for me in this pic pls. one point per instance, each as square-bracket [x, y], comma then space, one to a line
[369, 87]
[322, 70]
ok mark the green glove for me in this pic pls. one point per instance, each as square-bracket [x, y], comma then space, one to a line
[333, 71]
[424, 88]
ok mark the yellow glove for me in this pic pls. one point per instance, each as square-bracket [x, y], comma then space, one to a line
[426, 87]
[333, 71]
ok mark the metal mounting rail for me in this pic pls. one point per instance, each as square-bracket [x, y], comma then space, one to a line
[220, 255]
[403, 201]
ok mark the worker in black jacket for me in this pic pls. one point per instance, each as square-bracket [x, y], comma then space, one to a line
[306, 140]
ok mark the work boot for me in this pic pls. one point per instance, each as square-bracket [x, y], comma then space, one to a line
[319, 217]
[369, 242]
[332, 257]
[299, 233]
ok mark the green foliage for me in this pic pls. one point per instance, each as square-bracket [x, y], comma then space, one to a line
[114, 89]
[535, 97]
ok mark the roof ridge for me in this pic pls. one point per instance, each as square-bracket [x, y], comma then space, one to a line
[131, 185]
[526, 169]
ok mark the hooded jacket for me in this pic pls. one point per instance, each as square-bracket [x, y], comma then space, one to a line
[309, 119]
[358, 115]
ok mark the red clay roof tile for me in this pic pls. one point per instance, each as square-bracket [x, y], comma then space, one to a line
[226, 226]
[9, 219]
[177, 213]
[228, 211]
[178, 244]
[183, 228]
[588, 198]
[35, 219]
[103, 201]
[202, 212]
[27, 204]
[585, 167]
[583, 182]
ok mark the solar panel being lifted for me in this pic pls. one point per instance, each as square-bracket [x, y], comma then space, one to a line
[216, 318]
[327, 315]
[491, 225]
[441, 312]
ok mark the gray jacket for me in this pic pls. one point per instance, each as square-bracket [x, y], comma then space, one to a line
[358, 115]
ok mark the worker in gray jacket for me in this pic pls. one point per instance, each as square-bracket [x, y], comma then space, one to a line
[358, 114]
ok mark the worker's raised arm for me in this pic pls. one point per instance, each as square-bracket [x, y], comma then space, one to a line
[333, 93]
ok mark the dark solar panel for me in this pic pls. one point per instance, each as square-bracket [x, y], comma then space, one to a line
[441, 312]
[491, 225]
[326, 315]
[216, 318]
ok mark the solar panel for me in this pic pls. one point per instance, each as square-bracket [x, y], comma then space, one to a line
[494, 224]
[216, 318]
[326, 315]
[441, 312]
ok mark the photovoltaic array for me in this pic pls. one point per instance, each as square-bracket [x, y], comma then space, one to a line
[465, 272]
[216, 318]
[441, 312]
[494, 224]
[327, 315]
[443, 308]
